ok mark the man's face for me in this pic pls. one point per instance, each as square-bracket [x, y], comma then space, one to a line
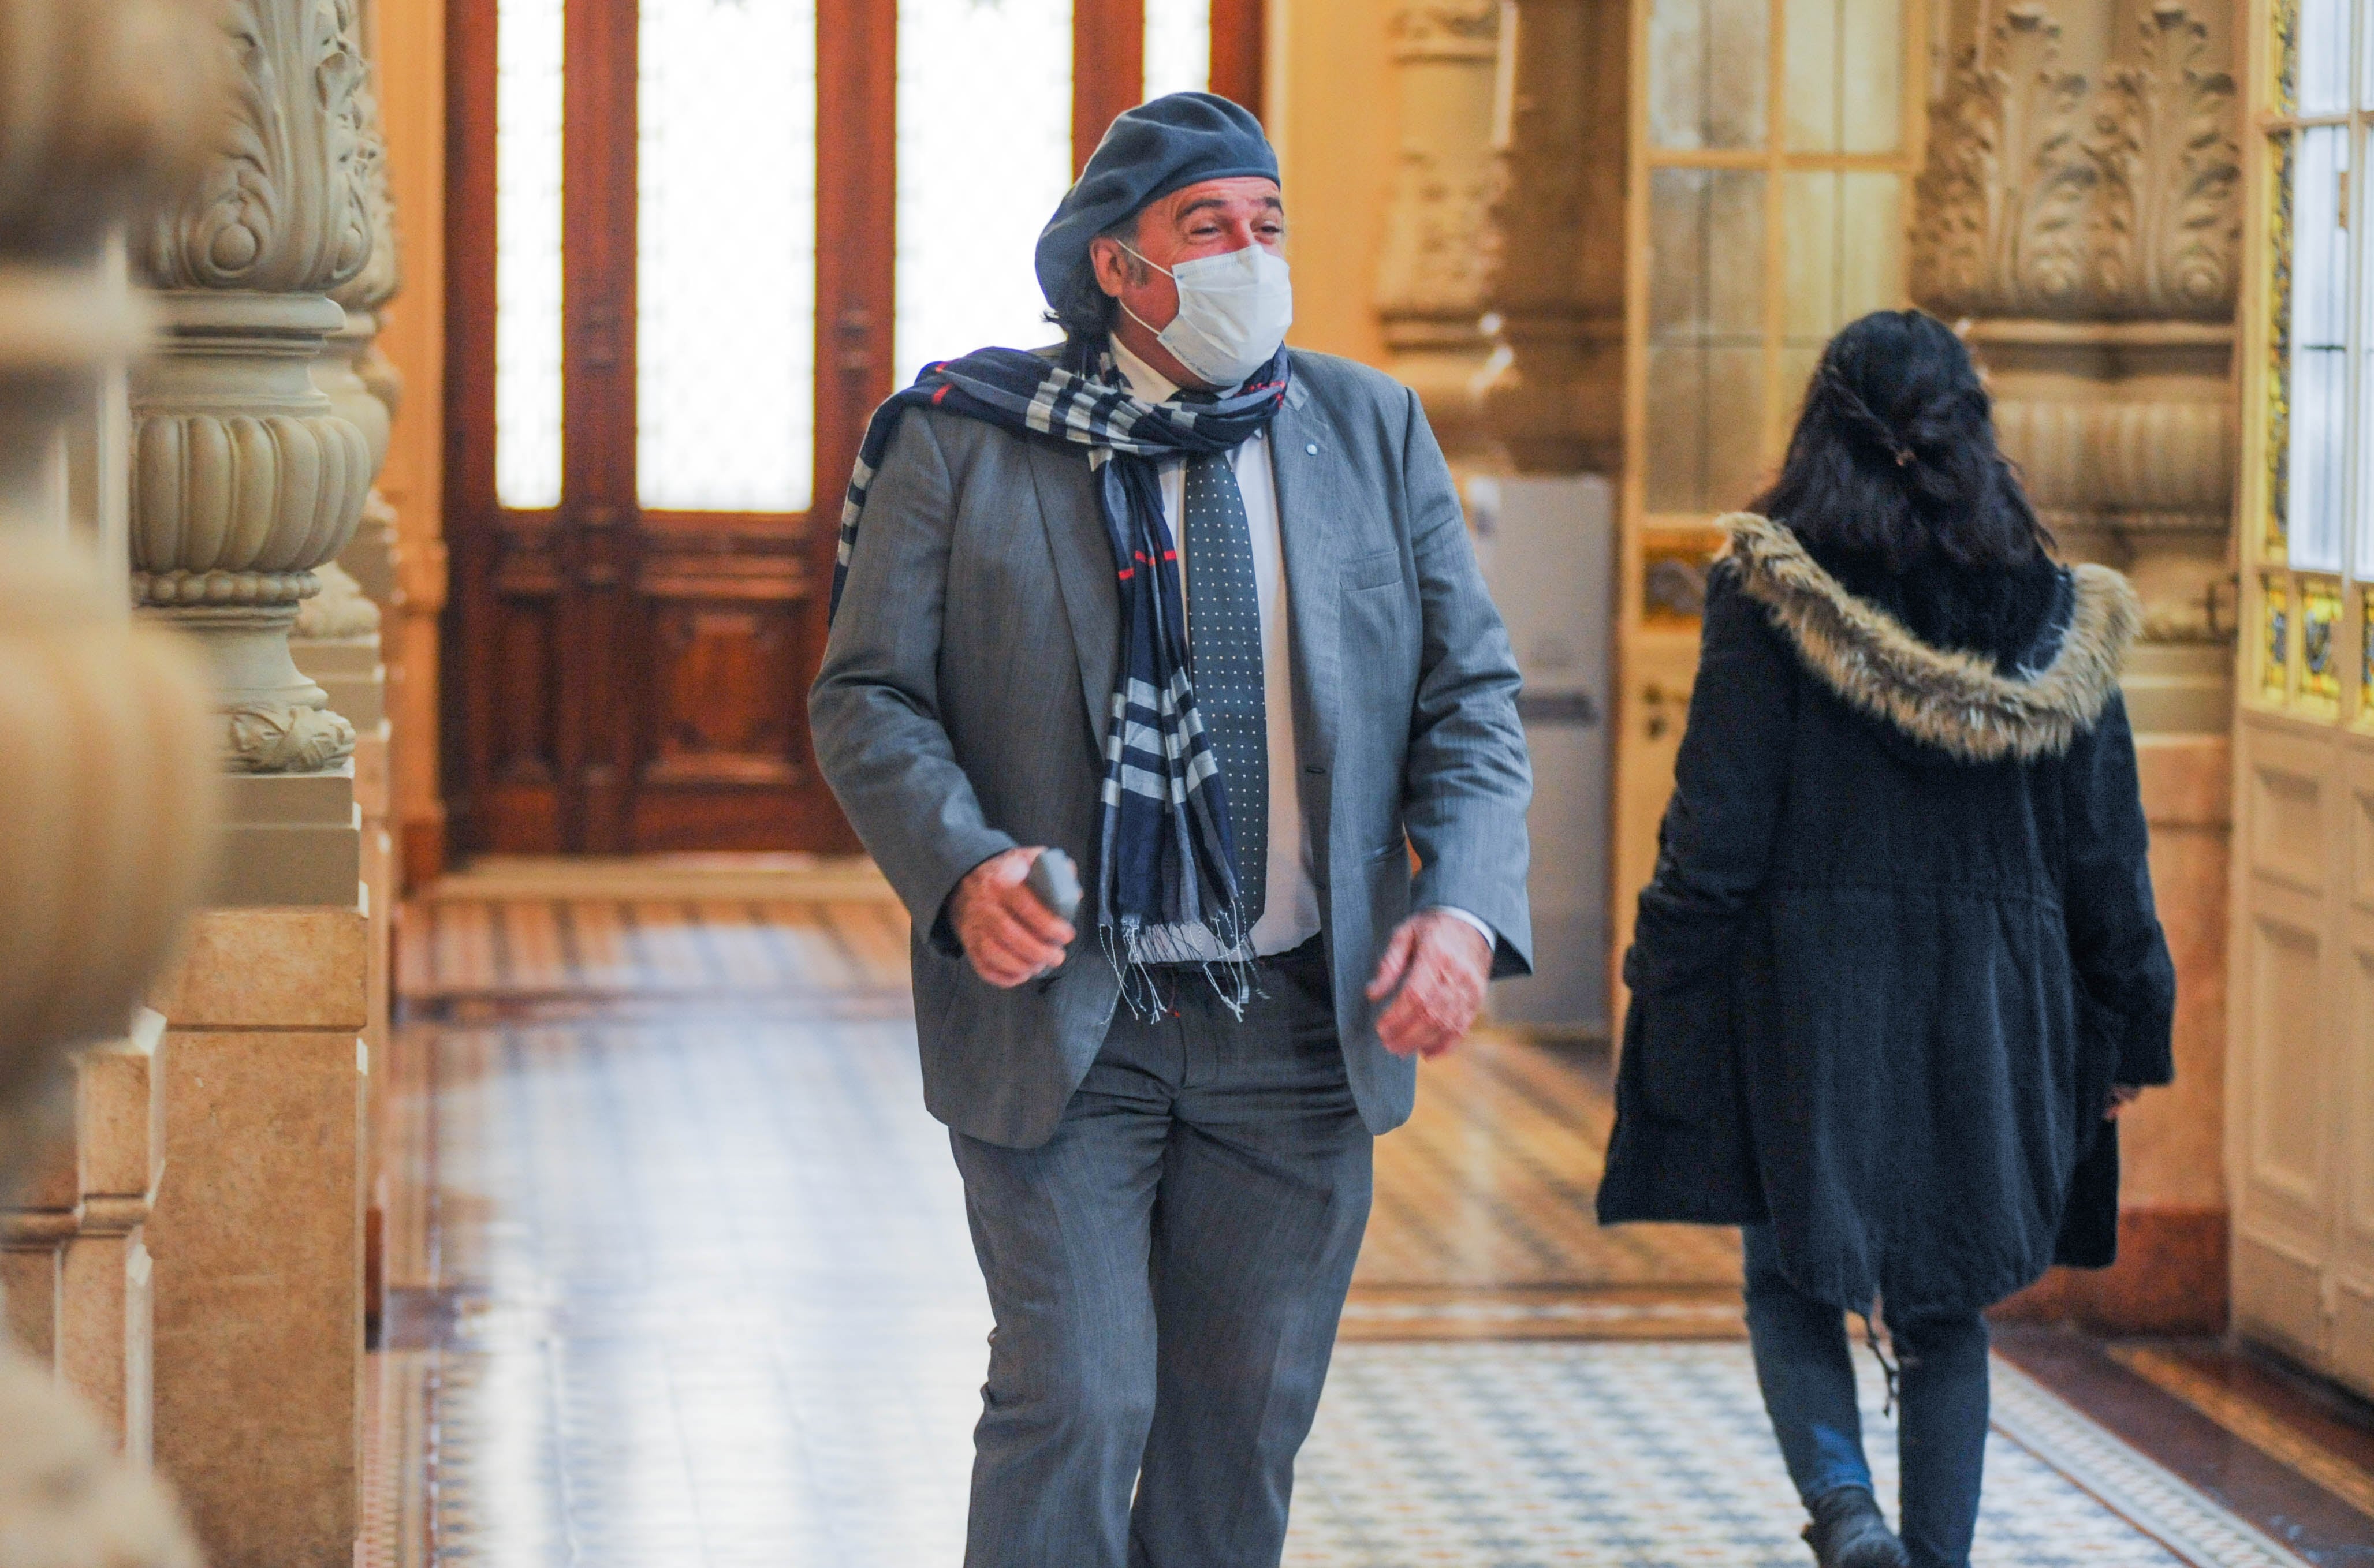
[1209, 218]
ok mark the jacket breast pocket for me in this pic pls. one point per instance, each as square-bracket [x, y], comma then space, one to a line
[1382, 570]
[1685, 1048]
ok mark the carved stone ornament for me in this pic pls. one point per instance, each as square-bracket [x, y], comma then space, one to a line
[2171, 223]
[1465, 29]
[2046, 195]
[377, 283]
[340, 610]
[285, 204]
[1440, 248]
[1441, 251]
[244, 480]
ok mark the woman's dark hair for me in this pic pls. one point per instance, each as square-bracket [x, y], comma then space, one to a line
[1893, 481]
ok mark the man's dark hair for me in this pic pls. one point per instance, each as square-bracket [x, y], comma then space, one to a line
[1085, 310]
[1893, 481]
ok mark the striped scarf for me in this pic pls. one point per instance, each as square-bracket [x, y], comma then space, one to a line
[1165, 864]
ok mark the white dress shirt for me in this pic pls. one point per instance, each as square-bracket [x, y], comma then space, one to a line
[1290, 912]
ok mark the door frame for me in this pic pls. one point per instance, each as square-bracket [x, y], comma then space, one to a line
[587, 559]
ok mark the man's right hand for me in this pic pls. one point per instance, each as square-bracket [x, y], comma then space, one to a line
[1009, 936]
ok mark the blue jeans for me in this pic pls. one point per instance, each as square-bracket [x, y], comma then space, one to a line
[1806, 1370]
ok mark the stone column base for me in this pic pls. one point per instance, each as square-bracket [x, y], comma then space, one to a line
[257, 1233]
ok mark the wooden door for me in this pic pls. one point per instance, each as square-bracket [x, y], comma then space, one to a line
[677, 286]
[1773, 146]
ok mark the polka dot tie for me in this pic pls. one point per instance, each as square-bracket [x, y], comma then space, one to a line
[1224, 637]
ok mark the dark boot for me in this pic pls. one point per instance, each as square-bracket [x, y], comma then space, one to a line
[1848, 1531]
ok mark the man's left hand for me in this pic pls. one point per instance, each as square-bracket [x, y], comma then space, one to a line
[1441, 964]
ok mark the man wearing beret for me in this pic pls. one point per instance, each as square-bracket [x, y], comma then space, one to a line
[1199, 610]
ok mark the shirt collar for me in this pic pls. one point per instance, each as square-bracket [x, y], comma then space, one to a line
[1146, 383]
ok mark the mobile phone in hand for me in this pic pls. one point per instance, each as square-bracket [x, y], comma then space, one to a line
[1056, 882]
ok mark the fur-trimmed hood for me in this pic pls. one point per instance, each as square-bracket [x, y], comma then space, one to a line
[1958, 702]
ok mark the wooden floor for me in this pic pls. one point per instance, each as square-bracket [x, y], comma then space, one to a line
[1482, 1225]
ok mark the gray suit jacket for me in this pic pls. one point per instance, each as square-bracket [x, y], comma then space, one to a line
[963, 702]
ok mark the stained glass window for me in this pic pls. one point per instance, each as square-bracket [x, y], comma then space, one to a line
[725, 245]
[2279, 351]
[2274, 641]
[527, 252]
[2320, 639]
[2366, 654]
[2315, 542]
[972, 199]
[1177, 46]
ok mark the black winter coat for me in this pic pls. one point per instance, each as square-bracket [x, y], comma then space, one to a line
[1900, 944]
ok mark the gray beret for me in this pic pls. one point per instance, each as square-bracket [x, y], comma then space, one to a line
[1149, 152]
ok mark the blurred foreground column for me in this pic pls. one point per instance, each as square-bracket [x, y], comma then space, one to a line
[246, 479]
[107, 783]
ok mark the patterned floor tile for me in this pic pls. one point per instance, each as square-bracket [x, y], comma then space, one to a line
[1634, 1455]
[693, 1289]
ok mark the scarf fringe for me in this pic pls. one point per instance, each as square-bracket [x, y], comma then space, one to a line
[1140, 955]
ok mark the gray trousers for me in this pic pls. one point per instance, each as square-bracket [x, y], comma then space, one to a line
[1167, 1273]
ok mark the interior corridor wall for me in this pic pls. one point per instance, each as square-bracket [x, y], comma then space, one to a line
[1330, 113]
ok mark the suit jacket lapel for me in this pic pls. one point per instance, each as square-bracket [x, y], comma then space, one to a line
[1309, 500]
[1084, 574]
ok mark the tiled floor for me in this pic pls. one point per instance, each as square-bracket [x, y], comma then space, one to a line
[680, 1277]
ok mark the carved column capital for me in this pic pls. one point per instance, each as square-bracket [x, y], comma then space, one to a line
[283, 206]
[1498, 306]
[2057, 193]
[2080, 212]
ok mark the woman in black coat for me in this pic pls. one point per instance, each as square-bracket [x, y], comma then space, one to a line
[1899, 964]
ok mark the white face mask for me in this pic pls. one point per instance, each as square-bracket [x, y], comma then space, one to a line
[1233, 312]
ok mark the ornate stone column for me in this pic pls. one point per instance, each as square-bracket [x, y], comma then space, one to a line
[107, 811]
[1500, 304]
[1441, 250]
[2079, 217]
[339, 632]
[245, 478]
[2080, 213]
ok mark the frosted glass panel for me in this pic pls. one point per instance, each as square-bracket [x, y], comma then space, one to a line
[1709, 69]
[975, 188]
[1812, 41]
[1870, 243]
[1843, 237]
[1809, 240]
[1842, 240]
[527, 252]
[1177, 46]
[725, 245]
[1846, 74]
[2320, 355]
[1706, 327]
[2323, 56]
